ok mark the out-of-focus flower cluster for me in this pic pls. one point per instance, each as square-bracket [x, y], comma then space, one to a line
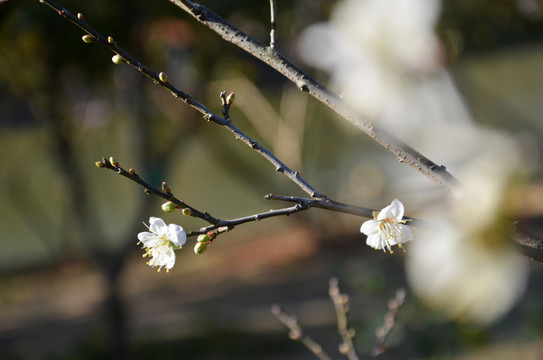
[369, 47]
[384, 57]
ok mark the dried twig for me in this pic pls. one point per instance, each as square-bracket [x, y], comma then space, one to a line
[390, 320]
[296, 332]
[341, 304]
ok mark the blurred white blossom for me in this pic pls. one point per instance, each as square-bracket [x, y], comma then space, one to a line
[468, 265]
[387, 228]
[371, 47]
[385, 58]
[161, 241]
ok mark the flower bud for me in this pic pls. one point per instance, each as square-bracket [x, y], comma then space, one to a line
[163, 77]
[80, 16]
[132, 171]
[117, 59]
[168, 207]
[203, 238]
[100, 164]
[230, 98]
[113, 161]
[110, 40]
[166, 187]
[89, 39]
[200, 248]
[187, 212]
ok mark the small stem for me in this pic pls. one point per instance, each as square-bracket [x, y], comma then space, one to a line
[297, 333]
[273, 24]
[256, 217]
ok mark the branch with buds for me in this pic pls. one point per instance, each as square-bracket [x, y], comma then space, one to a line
[218, 226]
[531, 245]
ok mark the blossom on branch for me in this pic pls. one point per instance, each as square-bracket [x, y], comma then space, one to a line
[161, 241]
[387, 228]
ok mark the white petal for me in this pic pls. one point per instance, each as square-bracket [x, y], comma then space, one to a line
[146, 236]
[393, 211]
[375, 241]
[157, 225]
[369, 227]
[177, 235]
[406, 236]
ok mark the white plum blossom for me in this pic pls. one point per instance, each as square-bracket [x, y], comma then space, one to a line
[387, 228]
[161, 241]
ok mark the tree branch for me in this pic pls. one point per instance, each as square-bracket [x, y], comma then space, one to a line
[162, 80]
[216, 223]
[332, 205]
[532, 245]
[304, 82]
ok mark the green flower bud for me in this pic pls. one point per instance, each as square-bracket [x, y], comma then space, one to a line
[113, 161]
[100, 164]
[200, 248]
[89, 39]
[110, 40]
[117, 59]
[163, 77]
[203, 238]
[187, 212]
[168, 207]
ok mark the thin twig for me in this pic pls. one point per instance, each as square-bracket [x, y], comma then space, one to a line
[151, 190]
[273, 25]
[296, 332]
[341, 304]
[216, 223]
[404, 153]
[332, 205]
[390, 320]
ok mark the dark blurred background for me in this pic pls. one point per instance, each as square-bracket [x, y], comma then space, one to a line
[73, 284]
